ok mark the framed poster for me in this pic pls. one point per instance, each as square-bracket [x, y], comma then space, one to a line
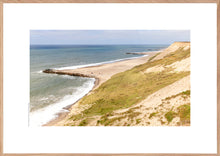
[101, 78]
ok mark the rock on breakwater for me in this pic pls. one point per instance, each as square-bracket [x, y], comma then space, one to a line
[59, 72]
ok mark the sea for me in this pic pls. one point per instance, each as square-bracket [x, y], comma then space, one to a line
[51, 93]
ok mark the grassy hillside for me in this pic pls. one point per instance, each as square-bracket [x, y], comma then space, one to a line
[130, 87]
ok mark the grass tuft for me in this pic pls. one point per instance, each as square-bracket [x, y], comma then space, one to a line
[83, 122]
[138, 121]
[184, 113]
[150, 59]
[170, 115]
[184, 94]
[152, 114]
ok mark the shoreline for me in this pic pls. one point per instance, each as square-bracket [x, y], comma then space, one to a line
[62, 115]
[102, 63]
[101, 73]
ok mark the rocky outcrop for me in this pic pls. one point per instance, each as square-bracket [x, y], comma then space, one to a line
[137, 53]
[49, 71]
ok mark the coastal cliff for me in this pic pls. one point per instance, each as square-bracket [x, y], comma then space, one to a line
[153, 92]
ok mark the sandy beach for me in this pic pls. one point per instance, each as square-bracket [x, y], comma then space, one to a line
[105, 77]
[101, 73]
[148, 107]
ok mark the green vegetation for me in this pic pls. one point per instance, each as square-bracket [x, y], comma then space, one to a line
[173, 57]
[184, 113]
[83, 122]
[130, 87]
[106, 121]
[170, 115]
[138, 121]
[152, 114]
[151, 58]
[184, 94]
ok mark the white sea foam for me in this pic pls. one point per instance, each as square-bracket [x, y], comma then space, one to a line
[41, 71]
[96, 64]
[44, 115]
[68, 77]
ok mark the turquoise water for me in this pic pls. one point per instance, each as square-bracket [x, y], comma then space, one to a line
[49, 93]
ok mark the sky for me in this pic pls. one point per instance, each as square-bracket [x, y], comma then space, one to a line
[107, 37]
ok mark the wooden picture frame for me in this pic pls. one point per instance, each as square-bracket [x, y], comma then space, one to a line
[109, 1]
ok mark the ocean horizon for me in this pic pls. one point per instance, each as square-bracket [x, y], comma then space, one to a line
[50, 93]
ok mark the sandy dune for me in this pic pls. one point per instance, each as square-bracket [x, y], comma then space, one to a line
[148, 106]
